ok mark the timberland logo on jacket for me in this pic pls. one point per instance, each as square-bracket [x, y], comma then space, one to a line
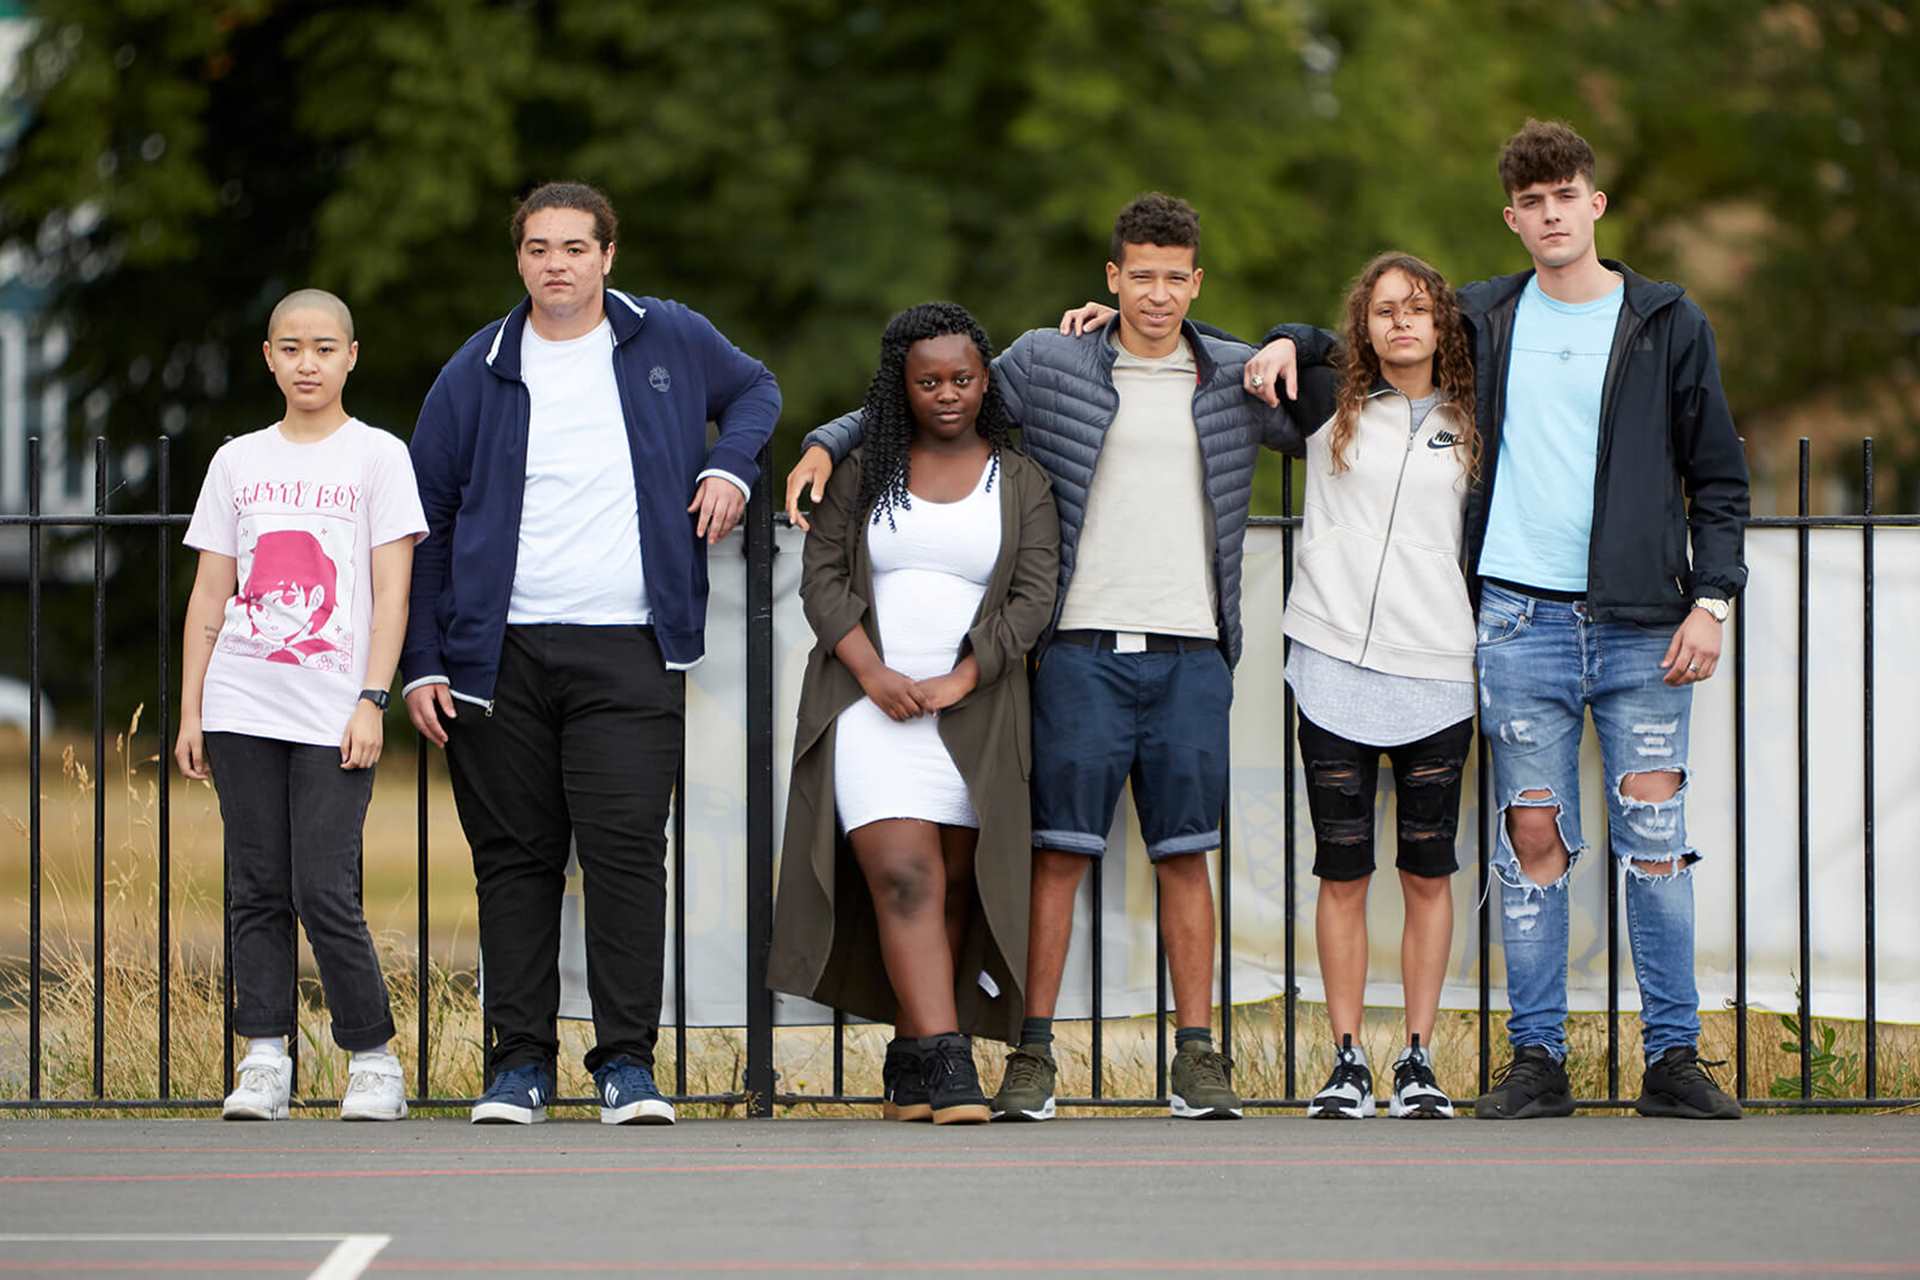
[659, 379]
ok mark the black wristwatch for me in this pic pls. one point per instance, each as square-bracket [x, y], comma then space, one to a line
[378, 697]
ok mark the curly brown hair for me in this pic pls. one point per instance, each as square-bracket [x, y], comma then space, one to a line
[1544, 151]
[1360, 364]
[1155, 218]
[567, 195]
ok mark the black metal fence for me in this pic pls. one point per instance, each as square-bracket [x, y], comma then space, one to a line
[758, 1092]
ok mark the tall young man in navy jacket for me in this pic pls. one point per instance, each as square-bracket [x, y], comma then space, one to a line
[559, 597]
[1604, 540]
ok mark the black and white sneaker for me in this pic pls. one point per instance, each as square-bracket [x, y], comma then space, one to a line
[1348, 1093]
[1416, 1094]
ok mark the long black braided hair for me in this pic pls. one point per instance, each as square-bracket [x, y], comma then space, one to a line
[888, 426]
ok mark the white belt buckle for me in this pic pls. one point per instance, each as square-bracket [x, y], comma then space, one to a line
[1129, 642]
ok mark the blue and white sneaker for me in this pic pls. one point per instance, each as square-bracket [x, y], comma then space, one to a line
[517, 1095]
[628, 1094]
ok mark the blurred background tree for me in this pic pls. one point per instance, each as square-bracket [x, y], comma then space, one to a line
[800, 169]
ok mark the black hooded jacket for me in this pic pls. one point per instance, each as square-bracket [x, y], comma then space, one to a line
[1670, 473]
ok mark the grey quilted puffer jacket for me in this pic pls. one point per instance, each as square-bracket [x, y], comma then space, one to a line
[1060, 391]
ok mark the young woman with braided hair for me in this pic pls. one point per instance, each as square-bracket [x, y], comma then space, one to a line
[930, 569]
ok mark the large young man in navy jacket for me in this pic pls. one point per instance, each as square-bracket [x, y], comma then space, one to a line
[1605, 546]
[558, 598]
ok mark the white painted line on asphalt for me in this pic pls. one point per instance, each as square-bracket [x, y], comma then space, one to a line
[350, 1258]
[278, 1237]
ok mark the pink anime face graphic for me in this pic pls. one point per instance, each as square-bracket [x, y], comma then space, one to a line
[291, 590]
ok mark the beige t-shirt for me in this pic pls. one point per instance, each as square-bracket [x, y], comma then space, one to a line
[1145, 560]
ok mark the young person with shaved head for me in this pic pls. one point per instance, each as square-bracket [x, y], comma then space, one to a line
[305, 531]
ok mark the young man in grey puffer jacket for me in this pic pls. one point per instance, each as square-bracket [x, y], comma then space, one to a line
[1150, 442]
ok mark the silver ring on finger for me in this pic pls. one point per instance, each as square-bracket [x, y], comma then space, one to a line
[1257, 381]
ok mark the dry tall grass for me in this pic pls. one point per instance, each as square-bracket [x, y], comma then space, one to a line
[130, 992]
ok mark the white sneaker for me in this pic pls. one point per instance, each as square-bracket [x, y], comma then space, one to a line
[265, 1081]
[376, 1090]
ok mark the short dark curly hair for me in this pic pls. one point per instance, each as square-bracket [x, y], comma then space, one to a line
[1544, 151]
[1155, 218]
[568, 195]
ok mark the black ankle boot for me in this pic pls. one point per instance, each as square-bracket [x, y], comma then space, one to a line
[953, 1083]
[903, 1083]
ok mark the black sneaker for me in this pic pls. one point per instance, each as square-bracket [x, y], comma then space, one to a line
[1348, 1092]
[1416, 1094]
[1530, 1087]
[1677, 1085]
[953, 1083]
[903, 1083]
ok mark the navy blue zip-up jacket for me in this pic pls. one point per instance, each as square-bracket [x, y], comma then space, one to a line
[675, 372]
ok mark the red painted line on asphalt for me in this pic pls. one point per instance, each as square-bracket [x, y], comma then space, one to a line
[1111, 1266]
[195, 1265]
[1107, 1266]
[959, 1164]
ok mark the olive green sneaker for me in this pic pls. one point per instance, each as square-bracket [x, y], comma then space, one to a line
[1026, 1091]
[1200, 1088]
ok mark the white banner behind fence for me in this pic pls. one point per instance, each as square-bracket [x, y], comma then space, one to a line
[716, 829]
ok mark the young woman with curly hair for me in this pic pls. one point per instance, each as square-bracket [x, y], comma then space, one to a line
[1383, 644]
[930, 569]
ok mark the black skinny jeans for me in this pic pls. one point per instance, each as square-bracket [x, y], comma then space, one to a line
[582, 746]
[293, 820]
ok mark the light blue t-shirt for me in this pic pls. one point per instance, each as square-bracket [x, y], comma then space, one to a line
[1542, 516]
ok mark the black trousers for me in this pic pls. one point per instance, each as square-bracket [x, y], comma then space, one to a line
[292, 820]
[583, 744]
[1342, 776]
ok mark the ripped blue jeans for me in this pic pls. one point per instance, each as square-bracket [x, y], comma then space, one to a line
[1543, 664]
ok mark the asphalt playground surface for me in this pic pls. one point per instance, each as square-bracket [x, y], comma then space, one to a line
[1589, 1196]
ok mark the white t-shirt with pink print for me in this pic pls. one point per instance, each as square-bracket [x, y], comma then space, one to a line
[301, 522]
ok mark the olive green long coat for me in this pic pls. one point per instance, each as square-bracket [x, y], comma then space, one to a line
[826, 943]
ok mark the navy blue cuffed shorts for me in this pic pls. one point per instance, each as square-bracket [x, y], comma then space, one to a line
[1159, 718]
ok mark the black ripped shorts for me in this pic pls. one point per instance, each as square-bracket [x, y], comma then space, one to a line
[1342, 778]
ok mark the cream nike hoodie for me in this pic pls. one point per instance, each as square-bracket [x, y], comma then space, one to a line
[1377, 577]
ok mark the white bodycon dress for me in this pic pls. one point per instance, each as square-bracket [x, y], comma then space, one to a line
[930, 569]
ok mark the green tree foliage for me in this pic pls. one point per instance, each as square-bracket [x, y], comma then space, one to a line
[799, 169]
